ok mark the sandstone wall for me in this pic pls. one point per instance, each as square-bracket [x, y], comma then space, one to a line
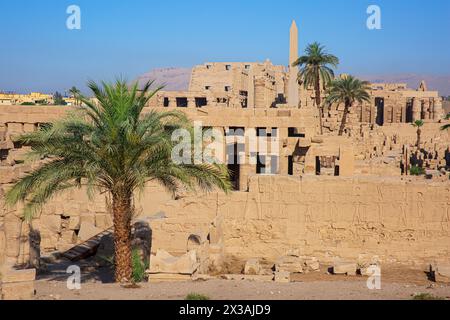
[398, 221]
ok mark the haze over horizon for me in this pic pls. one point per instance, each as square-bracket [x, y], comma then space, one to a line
[119, 39]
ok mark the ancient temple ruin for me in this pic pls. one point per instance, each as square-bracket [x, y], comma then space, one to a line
[324, 195]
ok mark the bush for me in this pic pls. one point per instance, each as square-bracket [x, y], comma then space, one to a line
[426, 296]
[28, 104]
[139, 266]
[196, 296]
[417, 171]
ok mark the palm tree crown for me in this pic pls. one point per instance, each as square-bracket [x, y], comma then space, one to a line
[75, 93]
[418, 123]
[348, 90]
[316, 69]
[446, 126]
[112, 147]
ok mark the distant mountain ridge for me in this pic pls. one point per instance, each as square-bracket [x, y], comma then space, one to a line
[177, 79]
[173, 79]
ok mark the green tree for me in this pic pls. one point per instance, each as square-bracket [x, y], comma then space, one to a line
[58, 99]
[447, 126]
[418, 124]
[76, 94]
[347, 90]
[316, 68]
[112, 147]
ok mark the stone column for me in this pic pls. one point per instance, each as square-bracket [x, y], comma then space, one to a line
[426, 109]
[416, 109]
[172, 102]
[432, 104]
[438, 109]
[191, 103]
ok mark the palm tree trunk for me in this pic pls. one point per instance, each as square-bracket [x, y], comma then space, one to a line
[121, 207]
[419, 133]
[344, 118]
[319, 102]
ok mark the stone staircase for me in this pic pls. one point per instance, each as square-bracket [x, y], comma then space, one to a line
[86, 249]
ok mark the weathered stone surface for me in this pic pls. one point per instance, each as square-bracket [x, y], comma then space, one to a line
[283, 276]
[26, 275]
[312, 264]
[164, 262]
[74, 223]
[345, 268]
[103, 221]
[87, 231]
[2, 247]
[441, 272]
[289, 264]
[252, 267]
[18, 290]
[51, 222]
[168, 277]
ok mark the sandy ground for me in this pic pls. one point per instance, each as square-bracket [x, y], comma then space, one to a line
[397, 283]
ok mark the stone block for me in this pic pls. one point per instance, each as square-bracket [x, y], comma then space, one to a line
[167, 277]
[312, 264]
[252, 267]
[259, 278]
[282, 277]
[103, 221]
[88, 231]
[2, 247]
[441, 272]
[18, 290]
[345, 268]
[289, 264]
[164, 262]
[68, 237]
[19, 276]
[51, 222]
[74, 223]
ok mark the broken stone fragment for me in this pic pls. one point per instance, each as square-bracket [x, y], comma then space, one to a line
[345, 268]
[282, 277]
[164, 262]
[18, 284]
[440, 272]
[289, 264]
[88, 231]
[252, 267]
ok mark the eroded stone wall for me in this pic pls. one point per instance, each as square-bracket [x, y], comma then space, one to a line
[398, 221]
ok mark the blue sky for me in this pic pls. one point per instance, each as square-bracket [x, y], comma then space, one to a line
[128, 38]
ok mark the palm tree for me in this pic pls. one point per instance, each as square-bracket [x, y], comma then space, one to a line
[347, 90]
[418, 124]
[447, 126]
[316, 69]
[75, 93]
[112, 148]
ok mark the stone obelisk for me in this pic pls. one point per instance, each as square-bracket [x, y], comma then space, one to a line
[293, 99]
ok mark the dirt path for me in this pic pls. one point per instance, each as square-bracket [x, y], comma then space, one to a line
[341, 288]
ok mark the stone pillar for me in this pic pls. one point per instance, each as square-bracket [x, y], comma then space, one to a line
[172, 102]
[438, 109]
[432, 104]
[191, 102]
[346, 162]
[426, 109]
[416, 109]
